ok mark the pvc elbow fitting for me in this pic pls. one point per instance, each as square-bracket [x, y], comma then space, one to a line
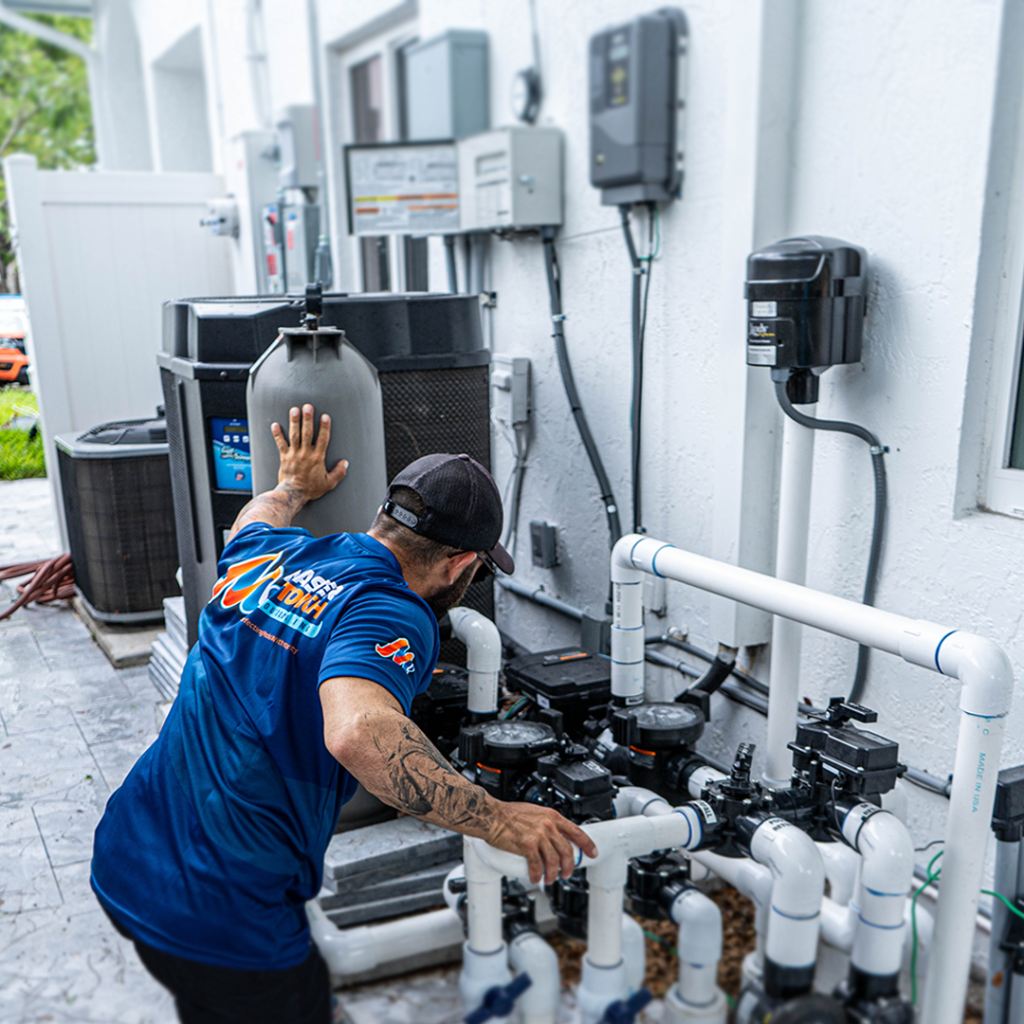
[483, 647]
[700, 927]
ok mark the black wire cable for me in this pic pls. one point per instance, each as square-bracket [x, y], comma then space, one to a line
[638, 361]
[558, 333]
[697, 652]
[877, 530]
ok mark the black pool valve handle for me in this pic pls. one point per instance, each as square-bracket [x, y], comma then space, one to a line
[499, 1001]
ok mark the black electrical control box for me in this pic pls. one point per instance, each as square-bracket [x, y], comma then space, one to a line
[543, 544]
[637, 80]
[569, 680]
[805, 303]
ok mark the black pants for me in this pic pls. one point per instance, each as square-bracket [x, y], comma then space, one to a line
[206, 994]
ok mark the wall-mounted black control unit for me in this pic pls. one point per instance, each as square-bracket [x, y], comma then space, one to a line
[805, 303]
[637, 108]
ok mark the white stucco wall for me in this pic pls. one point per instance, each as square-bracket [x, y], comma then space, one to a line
[886, 144]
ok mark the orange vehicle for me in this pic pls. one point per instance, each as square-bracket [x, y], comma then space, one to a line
[13, 360]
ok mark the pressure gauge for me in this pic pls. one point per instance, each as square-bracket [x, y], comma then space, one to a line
[526, 95]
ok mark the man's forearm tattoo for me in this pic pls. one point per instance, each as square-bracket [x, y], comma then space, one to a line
[422, 782]
[279, 505]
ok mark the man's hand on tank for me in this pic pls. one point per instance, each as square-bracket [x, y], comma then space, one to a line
[542, 836]
[303, 474]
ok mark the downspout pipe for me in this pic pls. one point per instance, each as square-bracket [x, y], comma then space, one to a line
[986, 685]
[483, 649]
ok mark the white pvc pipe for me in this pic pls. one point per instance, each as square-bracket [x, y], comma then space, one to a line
[887, 872]
[528, 953]
[634, 952]
[790, 564]
[354, 950]
[798, 884]
[483, 900]
[983, 670]
[483, 657]
[701, 777]
[842, 863]
[630, 801]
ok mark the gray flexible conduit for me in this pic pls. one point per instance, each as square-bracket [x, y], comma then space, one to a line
[877, 530]
[558, 333]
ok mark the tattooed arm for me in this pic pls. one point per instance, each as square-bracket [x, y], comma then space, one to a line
[365, 729]
[303, 476]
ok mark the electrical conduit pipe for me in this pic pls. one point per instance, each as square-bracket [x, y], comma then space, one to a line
[983, 670]
[790, 564]
[605, 976]
[483, 658]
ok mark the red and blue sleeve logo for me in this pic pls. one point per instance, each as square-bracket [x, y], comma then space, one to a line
[399, 652]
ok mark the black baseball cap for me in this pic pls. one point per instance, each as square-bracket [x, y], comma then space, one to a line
[462, 505]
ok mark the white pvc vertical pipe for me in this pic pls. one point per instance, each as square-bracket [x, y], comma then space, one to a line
[963, 861]
[791, 565]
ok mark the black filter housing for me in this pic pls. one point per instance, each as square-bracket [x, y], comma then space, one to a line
[570, 680]
[805, 303]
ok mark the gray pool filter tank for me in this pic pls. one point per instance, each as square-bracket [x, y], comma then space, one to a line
[319, 365]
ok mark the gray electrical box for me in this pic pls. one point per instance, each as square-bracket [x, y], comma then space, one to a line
[298, 141]
[511, 178]
[637, 108]
[446, 85]
[301, 231]
[543, 544]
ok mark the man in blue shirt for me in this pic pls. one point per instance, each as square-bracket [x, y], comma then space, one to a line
[309, 656]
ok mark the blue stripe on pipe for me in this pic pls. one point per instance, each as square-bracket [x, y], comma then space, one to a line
[614, 662]
[633, 548]
[635, 584]
[679, 810]
[626, 629]
[654, 560]
[881, 927]
[939, 648]
[795, 917]
[988, 718]
[894, 895]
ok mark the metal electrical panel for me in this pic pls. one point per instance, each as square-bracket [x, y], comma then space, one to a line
[511, 178]
[301, 231]
[637, 108]
[402, 188]
[298, 140]
[446, 85]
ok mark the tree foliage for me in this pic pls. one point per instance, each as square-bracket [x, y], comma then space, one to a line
[44, 108]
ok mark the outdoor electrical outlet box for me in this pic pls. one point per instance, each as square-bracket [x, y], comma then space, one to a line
[446, 85]
[543, 544]
[511, 376]
[298, 142]
[511, 178]
[638, 107]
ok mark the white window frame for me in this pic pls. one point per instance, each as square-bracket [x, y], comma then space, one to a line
[1002, 487]
[385, 44]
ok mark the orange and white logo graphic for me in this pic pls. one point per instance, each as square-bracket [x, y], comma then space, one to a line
[399, 652]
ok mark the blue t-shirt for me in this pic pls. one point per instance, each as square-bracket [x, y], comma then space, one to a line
[216, 839]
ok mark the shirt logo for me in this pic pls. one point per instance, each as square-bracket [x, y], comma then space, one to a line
[240, 585]
[398, 651]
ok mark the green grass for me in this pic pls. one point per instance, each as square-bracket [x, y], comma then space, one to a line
[19, 456]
